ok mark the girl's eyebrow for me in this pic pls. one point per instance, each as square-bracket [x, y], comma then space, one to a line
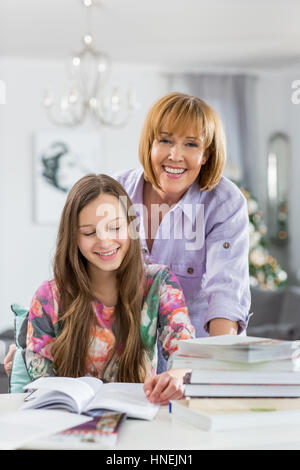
[92, 225]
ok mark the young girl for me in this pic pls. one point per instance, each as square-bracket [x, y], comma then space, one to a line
[101, 313]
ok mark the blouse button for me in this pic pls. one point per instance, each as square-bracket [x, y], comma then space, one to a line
[226, 245]
[190, 270]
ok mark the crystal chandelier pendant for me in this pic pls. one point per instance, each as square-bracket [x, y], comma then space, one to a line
[88, 92]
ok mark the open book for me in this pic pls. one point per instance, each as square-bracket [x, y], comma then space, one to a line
[86, 394]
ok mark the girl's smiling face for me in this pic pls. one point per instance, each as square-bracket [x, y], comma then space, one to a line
[176, 161]
[103, 237]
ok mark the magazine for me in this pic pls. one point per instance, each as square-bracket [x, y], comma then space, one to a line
[101, 432]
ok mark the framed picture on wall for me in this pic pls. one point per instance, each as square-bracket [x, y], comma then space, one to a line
[60, 159]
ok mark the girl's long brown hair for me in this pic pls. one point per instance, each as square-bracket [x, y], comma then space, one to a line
[76, 314]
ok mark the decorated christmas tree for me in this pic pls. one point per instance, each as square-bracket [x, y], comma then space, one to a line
[265, 271]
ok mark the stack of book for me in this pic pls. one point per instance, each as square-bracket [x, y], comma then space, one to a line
[226, 414]
[238, 381]
[240, 366]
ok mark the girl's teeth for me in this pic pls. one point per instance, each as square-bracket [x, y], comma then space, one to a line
[109, 253]
[173, 170]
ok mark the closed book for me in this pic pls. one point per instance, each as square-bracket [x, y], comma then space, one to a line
[241, 390]
[242, 377]
[218, 414]
[99, 433]
[239, 348]
[200, 363]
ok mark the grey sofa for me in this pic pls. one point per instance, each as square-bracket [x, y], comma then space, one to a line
[275, 315]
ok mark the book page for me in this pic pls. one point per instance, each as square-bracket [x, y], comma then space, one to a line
[40, 399]
[94, 383]
[20, 427]
[79, 390]
[126, 398]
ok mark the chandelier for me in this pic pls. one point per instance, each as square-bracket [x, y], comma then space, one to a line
[87, 92]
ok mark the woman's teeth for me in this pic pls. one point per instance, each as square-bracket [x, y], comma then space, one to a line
[174, 170]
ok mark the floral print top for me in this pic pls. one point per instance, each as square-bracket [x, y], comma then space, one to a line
[164, 314]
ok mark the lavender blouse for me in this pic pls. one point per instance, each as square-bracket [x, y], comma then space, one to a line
[204, 239]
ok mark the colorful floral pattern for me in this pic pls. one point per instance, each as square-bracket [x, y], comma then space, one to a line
[164, 313]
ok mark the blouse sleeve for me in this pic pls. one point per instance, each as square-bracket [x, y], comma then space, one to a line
[173, 319]
[227, 286]
[41, 332]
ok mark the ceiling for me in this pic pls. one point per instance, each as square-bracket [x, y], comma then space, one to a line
[169, 33]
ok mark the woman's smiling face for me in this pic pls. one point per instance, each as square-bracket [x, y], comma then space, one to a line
[176, 161]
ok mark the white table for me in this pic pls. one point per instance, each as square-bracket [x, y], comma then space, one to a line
[166, 433]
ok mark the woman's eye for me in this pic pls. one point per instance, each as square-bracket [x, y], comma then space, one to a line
[89, 234]
[164, 141]
[192, 144]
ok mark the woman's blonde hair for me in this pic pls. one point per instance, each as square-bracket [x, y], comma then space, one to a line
[76, 317]
[176, 113]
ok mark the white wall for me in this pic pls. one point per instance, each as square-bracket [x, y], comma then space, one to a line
[276, 112]
[293, 128]
[26, 249]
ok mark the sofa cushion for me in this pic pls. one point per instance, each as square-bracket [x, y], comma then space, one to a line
[7, 335]
[291, 306]
[19, 375]
[289, 332]
[266, 306]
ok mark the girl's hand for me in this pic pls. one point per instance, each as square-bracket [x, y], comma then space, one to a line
[9, 359]
[165, 387]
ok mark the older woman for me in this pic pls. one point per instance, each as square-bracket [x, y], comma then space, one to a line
[193, 219]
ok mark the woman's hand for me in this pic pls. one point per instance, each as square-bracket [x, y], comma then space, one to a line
[8, 360]
[165, 386]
